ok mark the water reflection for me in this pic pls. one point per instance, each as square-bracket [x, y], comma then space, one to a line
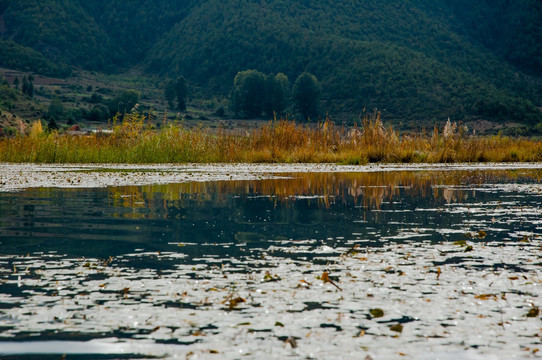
[184, 269]
[326, 207]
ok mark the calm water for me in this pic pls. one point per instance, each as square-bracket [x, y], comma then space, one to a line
[372, 207]
[96, 243]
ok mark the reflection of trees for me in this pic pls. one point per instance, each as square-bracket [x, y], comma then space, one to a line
[307, 206]
[246, 211]
[369, 190]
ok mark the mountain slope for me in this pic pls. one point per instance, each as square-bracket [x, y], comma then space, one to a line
[414, 59]
[60, 30]
[404, 58]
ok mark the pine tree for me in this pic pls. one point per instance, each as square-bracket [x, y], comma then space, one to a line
[30, 92]
[25, 85]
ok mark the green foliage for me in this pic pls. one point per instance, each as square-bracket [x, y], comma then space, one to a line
[56, 110]
[96, 98]
[181, 93]
[124, 102]
[417, 60]
[249, 93]
[306, 92]
[16, 56]
[169, 93]
[62, 31]
[75, 115]
[98, 112]
[254, 92]
[512, 29]
[52, 125]
[278, 94]
[412, 60]
[176, 91]
[28, 85]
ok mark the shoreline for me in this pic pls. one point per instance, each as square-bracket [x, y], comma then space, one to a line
[17, 177]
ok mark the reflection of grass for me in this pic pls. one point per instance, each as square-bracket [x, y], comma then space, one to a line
[366, 189]
[279, 141]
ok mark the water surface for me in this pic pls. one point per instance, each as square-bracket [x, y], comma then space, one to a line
[235, 269]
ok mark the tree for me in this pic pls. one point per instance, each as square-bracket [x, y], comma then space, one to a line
[96, 98]
[56, 110]
[169, 93]
[124, 102]
[249, 91]
[277, 95]
[99, 112]
[28, 85]
[16, 82]
[181, 93]
[307, 91]
[52, 125]
[24, 88]
[30, 91]
[176, 90]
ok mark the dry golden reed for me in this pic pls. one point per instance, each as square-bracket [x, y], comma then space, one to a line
[133, 141]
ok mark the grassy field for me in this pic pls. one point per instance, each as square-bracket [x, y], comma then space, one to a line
[133, 141]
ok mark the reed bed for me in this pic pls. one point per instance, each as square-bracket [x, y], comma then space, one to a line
[133, 141]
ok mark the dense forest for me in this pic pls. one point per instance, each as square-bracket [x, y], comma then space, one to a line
[415, 59]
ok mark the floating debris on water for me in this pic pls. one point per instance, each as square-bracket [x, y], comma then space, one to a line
[414, 266]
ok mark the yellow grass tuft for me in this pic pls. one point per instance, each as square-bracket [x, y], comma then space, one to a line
[133, 141]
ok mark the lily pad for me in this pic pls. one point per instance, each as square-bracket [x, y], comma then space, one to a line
[376, 313]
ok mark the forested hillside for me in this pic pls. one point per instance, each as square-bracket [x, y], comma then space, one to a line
[414, 59]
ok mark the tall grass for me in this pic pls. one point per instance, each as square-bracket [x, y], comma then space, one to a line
[132, 141]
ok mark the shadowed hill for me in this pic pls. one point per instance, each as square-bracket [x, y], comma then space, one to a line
[414, 59]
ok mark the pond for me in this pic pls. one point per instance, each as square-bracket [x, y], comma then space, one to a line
[357, 265]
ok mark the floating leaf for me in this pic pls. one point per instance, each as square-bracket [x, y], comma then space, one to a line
[125, 292]
[485, 296]
[376, 313]
[397, 328]
[469, 248]
[361, 333]
[460, 243]
[438, 272]
[292, 341]
[268, 277]
[278, 323]
[352, 251]
[155, 329]
[325, 278]
[482, 234]
[236, 301]
[534, 312]
[389, 270]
